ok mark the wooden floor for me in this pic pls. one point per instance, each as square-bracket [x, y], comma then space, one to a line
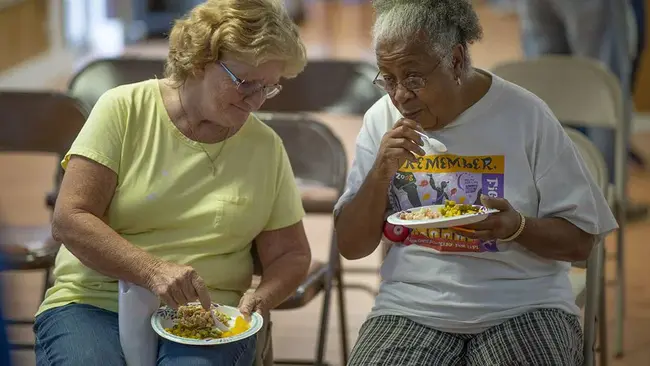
[25, 179]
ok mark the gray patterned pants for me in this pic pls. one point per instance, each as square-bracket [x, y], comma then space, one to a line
[545, 337]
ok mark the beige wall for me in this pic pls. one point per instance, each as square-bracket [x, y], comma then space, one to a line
[23, 31]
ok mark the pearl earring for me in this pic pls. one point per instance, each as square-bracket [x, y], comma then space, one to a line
[458, 80]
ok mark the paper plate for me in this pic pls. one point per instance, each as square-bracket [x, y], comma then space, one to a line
[440, 223]
[165, 317]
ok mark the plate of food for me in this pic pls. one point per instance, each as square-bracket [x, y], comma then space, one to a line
[193, 325]
[450, 214]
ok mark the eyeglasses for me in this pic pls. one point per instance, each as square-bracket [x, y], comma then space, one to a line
[248, 88]
[411, 83]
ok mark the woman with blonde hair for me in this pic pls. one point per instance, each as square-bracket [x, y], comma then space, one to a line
[169, 183]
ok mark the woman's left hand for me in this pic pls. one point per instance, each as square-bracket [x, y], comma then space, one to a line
[252, 302]
[500, 225]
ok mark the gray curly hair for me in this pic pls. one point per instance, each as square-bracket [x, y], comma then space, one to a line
[445, 23]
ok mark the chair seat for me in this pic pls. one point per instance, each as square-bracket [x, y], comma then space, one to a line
[28, 247]
[578, 278]
[316, 197]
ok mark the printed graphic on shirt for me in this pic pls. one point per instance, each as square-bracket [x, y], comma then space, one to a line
[434, 179]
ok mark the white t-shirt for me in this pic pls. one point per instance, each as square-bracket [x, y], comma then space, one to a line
[509, 145]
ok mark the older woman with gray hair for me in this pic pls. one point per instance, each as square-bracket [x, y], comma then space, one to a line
[493, 293]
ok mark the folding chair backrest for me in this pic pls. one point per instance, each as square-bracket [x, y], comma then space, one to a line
[317, 155]
[592, 157]
[343, 87]
[578, 90]
[46, 122]
[596, 165]
[39, 121]
[101, 75]
[332, 86]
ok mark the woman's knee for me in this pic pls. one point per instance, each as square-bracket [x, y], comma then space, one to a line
[77, 335]
[240, 353]
[541, 337]
[396, 340]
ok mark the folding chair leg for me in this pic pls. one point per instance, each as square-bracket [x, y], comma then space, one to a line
[601, 321]
[343, 324]
[620, 294]
[324, 322]
[322, 331]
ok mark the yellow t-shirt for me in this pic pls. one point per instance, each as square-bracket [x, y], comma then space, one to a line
[169, 202]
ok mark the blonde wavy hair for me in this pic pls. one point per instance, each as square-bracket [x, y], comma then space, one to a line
[251, 31]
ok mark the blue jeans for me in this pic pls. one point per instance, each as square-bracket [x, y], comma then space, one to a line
[81, 335]
[584, 28]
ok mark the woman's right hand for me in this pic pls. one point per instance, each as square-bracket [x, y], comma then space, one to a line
[177, 284]
[397, 146]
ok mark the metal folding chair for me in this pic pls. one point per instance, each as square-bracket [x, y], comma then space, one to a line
[337, 87]
[343, 87]
[583, 92]
[36, 122]
[589, 287]
[319, 163]
[331, 86]
[98, 76]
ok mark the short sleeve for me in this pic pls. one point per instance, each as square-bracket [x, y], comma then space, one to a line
[364, 158]
[566, 188]
[102, 135]
[287, 205]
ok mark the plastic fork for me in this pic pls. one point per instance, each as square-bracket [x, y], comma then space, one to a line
[435, 144]
[217, 323]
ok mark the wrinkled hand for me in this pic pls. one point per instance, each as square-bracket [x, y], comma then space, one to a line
[177, 285]
[500, 225]
[397, 146]
[252, 302]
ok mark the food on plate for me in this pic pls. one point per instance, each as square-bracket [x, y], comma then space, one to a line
[240, 327]
[451, 209]
[419, 214]
[192, 321]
